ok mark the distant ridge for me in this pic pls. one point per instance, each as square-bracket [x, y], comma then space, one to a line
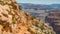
[39, 6]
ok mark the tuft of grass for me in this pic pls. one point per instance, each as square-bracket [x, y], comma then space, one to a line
[14, 21]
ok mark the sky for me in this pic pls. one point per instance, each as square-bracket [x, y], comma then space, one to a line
[40, 1]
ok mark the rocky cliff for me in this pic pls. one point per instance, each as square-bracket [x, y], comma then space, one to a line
[13, 20]
[53, 19]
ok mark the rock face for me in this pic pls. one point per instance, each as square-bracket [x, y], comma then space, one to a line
[13, 20]
[54, 19]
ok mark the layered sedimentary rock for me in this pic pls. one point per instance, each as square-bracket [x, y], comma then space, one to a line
[53, 19]
[13, 20]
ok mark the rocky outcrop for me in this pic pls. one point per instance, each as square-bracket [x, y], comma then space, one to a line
[13, 20]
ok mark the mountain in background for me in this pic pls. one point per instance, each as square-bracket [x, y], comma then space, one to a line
[39, 6]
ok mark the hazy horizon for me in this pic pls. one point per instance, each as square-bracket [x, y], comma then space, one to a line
[38, 4]
[39, 1]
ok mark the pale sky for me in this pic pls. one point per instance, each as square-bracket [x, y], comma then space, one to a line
[40, 1]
